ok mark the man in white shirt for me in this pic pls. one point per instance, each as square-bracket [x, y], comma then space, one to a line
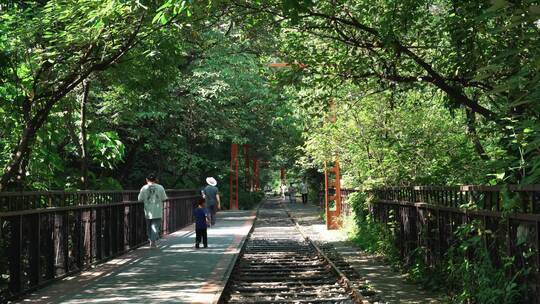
[152, 195]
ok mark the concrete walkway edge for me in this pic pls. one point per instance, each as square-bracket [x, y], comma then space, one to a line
[176, 272]
[217, 286]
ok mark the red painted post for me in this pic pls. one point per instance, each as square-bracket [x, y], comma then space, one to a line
[333, 217]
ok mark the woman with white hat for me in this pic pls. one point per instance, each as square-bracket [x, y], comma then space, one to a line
[213, 201]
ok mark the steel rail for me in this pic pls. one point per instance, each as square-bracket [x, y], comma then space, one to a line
[276, 269]
[356, 293]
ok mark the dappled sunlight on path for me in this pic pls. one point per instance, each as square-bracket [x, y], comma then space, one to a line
[175, 272]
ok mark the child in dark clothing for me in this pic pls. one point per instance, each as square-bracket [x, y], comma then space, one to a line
[201, 223]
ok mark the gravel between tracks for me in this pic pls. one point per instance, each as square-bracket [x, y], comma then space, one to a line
[389, 286]
[279, 266]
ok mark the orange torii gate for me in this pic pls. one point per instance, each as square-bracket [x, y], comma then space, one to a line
[332, 186]
[253, 182]
[286, 65]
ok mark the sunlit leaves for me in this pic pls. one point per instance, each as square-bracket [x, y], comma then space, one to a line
[106, 149]
[483, 49]
[172, 9]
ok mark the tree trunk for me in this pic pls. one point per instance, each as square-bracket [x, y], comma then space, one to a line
[83, 135]
[471, 130]
[16, 167]
[454, 92]
[18, 164]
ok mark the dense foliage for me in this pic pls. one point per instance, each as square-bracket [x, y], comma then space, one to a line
[426, 92]
[397, 71]
[96, 94]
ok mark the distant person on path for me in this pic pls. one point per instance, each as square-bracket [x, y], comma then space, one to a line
[283, 191]
[304, 191]
[292, 193]
[213, 201]
[152, 195]
[201, 224]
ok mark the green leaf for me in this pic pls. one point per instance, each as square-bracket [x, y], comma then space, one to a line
[158, 16]
[163, 19]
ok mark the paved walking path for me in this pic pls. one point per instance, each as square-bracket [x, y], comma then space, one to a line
[175, 272]
[391, 287]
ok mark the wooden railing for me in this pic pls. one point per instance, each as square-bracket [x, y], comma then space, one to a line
[45, 236]
[526, 198]
[14, 201]
[425, 219]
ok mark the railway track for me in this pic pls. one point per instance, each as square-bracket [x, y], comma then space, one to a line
[279, 265]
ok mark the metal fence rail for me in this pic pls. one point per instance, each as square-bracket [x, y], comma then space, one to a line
[526, 198]
[42, 244]
[425, 219]
[431, 228]
[18, 201]
[475, 197]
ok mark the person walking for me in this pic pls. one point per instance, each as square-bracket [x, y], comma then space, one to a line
[292, 193]
[152, 195]
[201, 224]
[283, 191]
[304, 191]
[213, 201]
